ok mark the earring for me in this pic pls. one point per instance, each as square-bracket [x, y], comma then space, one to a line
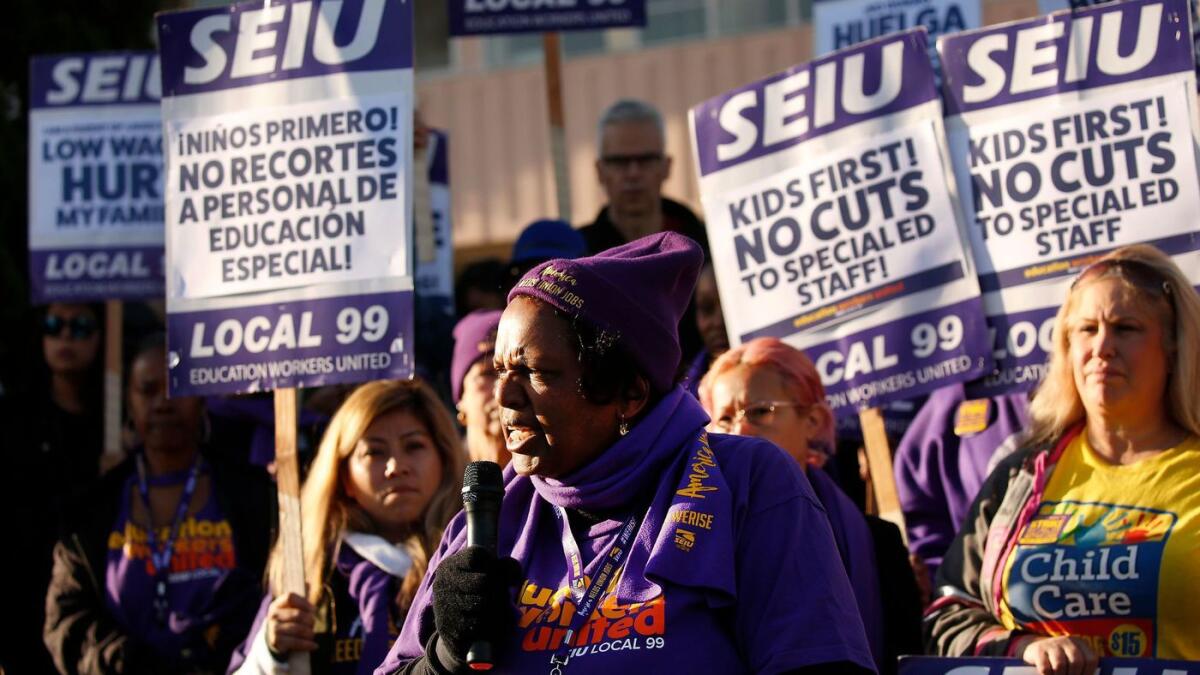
[462, 418]
[622, 425]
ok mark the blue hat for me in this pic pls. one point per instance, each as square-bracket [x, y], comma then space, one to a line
[545, 239]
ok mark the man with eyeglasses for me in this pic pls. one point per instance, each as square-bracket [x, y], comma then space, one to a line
[632, 167]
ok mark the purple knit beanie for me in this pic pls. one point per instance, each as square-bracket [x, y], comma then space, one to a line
[474, 340]
[638, 290]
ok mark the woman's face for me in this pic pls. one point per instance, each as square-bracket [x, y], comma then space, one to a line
[393, 472]
[549, 427]
[481, 414]
[1116, 351]
[710, 322]
[754, 389]
[164, 425]
[70, 338]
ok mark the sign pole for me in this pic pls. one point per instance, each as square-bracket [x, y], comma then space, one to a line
[113, 323]
[552, 61]
[287, 477]
[879, 460]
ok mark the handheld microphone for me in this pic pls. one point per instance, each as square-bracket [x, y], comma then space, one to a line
[482, 491]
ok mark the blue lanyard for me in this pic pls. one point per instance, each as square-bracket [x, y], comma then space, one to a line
[162, 559]
[587, 596]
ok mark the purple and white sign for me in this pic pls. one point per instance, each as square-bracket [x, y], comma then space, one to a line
[929, 665]
[288, 134]
[832, 223]
[492, 17]
[842, 23]
[1071, 135]
[95, 177]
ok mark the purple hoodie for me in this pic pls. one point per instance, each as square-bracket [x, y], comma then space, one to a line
[734, 568]
[938, 473]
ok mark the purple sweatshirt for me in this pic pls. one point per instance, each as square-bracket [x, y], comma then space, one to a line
[734, 568]
[938, 473]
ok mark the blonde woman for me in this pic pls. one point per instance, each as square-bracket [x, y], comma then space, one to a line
[382, 487]
[1083, 544]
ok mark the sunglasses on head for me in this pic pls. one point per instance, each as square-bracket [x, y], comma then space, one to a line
[79, 327]
[1136, 272]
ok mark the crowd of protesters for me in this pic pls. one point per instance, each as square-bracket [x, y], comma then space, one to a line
[698, 488]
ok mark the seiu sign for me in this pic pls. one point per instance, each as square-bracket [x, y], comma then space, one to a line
[107, 78]
[253, 43]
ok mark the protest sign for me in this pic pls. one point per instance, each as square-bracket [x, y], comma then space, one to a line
[95, 177]
[832, 224]
[435, 272]
[841, 23]
[1071, 135]
[929, 665]
[288, 132]
[489, 17]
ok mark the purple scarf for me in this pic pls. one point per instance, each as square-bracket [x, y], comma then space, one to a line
[375, 592]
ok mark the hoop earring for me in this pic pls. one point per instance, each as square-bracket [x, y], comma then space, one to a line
[622, 425]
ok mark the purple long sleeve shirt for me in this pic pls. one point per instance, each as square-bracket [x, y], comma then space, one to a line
[938, 472]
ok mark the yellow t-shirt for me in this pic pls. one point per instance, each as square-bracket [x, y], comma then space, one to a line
[1113, 555]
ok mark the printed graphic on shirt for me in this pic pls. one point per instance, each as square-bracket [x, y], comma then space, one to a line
[203, 549]
[699, 466]
[1091, 570]
[545, 615]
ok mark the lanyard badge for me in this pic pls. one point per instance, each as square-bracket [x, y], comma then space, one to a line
[585, 595]
[161, 560]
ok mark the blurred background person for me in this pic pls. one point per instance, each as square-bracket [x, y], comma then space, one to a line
[943, 458]
[632, 165]
[710, 324]
[480, 285]
[54, 438]
[612, 470]
[770, 390]
[384, 483]
[473, 384]
[158, 563]
[1083, 543]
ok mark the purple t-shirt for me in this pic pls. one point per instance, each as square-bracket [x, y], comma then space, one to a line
[202, 560]
[938, 473]
[733, 570]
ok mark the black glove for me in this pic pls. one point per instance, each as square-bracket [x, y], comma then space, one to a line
[472, 600]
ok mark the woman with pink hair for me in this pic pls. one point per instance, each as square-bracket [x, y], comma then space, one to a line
[767, 389]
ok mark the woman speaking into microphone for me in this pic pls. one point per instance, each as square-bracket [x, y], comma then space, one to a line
[636, 539]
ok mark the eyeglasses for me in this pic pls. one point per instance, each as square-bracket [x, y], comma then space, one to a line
[759, 414]
[623, 162]
[79, 327]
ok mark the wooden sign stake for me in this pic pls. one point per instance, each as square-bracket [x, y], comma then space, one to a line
[879, 459]
[114, 452]
[552, 61]
[287, 478]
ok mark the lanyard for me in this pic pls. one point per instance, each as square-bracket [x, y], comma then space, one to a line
[162, 559]
[586, 596]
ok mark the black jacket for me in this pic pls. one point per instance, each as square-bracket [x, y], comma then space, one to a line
[81, 634]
